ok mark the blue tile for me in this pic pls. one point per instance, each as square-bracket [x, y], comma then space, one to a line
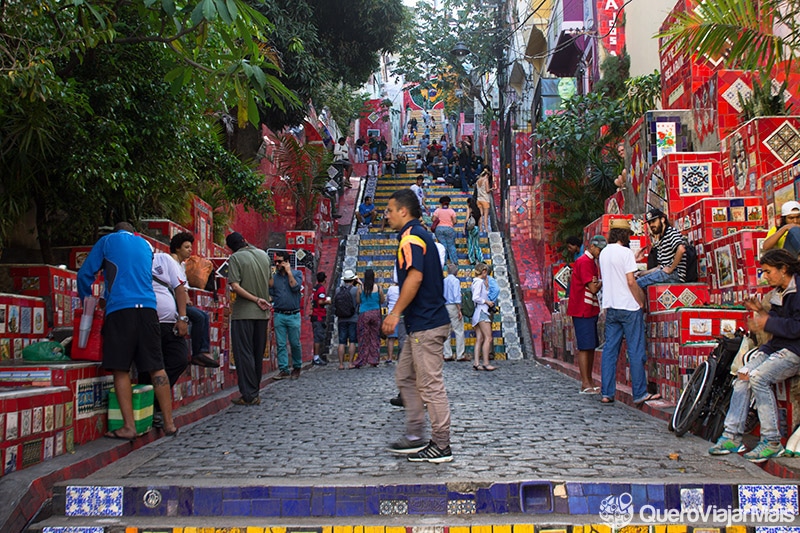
[130, 497]
[575, 489]
[727, 497]
[236, 508]
[255, 493]
[711, 496]
[619, 488]
[207, 501]
[460, 496]
[655, 493]
[350, 493]
[372, 502]
[349, 508]
[594, 503]
[578, 505]
[657, 505]
[283, 492]
[427, 505]
[597, 489]
[267, 507]
[501, 507]
[484, 503]
[639, 494]
[295, 507]
[672, 496]
[499, 491]
[233, 493]
[561, 506]
[185, 498]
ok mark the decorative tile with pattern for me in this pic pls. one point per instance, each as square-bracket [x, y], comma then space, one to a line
[74, 529]
[774, 498]
[667, 299]
[737, 89]
[777, 529]
[563, 275]
[695, 179]
[692, 499]
[687, 297]
[461, 507]
[784, 143]
[392, 507]
[94, 501]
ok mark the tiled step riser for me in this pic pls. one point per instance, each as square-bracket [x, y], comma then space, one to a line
[529, 497]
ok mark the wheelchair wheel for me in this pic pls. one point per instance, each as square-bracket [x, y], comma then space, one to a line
[694, 396]
[715, 422]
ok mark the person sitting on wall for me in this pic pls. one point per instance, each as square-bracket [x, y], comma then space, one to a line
[669, 249]
[787, 234]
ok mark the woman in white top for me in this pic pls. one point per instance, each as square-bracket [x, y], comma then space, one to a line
[484, 198]
[481, 322]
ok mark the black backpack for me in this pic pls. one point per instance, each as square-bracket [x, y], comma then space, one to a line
[691, 262]
[343, 305]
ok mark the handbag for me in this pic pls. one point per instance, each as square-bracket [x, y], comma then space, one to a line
[470, 223]
[435, 225]
[198, 269]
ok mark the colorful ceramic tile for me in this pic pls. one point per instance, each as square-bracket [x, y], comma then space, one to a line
[563, 276]
[461, 507]
[48, 417]
[667, 299]
[10, 459]
[768, 498]
[737, 92]
[665, 138]
[687, 297]
[93, 501]
[38, 321]
[37, 423]
[74, 529]
[695, 179]
[692, 499]
[49, 443]
[784, 143]
[25, 423]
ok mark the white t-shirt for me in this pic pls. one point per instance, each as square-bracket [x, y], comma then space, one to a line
[616, 261]
[166, 269]
[392, 294]
[420, 192]
[442, 252]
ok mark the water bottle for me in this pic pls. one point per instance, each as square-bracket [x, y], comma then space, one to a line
[89, 303]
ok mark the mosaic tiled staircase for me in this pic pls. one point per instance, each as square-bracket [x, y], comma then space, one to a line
[108, 509]
[376, 249]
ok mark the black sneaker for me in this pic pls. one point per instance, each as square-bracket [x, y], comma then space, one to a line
[397, 401]
[295, 373]
[242, 401]
[319, 362]
[283, 374]
[405, 446]
[432, 454]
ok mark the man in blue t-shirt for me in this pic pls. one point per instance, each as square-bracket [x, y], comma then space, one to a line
[131, 332]
[421, 301]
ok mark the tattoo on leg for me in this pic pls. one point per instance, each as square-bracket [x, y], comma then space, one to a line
[160, 381]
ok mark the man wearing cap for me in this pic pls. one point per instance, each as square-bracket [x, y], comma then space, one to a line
[584, 309]
[285, 289]
[249, 277]
[787, 235]
[623, 301]
[348, 325]
[669, 249]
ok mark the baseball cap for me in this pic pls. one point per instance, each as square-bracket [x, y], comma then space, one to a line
[654, 214]
[789, 208]
[234, 240]
[599, 241]
[349, 275]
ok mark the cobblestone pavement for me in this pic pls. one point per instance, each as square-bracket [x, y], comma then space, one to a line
[522, 422]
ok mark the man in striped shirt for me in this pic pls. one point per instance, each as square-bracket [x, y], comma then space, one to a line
[669, 249]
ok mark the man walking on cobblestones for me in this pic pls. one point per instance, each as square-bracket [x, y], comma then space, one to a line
[421, 301]
[284, 288]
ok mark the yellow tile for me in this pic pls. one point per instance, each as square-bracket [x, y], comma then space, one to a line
[327, 529]
[275, 530]
[676, 529]
[736, 529]
[481, 529]
[600, 528]
[403, 530]
[374, 529]
[342, 529]
[358, 529]
[253, 529]
[456, 529]
[501, 528]
[660, 529]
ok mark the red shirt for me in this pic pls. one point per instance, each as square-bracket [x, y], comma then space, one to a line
[319, 301]
[582, 303]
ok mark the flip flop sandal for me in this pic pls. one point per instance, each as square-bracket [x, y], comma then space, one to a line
[115, 435]
[606, 401]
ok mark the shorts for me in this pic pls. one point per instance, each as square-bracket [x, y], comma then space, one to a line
[586, 332]
[348, 331]
[318, 328]
[132, 336]
[484, 317]
[483, 204]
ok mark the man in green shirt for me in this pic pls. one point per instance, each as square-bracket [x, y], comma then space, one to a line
[249, 275]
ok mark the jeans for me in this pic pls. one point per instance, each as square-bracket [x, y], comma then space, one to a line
[620, 322]
[792, 242]
[658, 276]
[447, 236]
[287, 327]
[199, 333]
[765, 370]
[457, 327]
[465, 179]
